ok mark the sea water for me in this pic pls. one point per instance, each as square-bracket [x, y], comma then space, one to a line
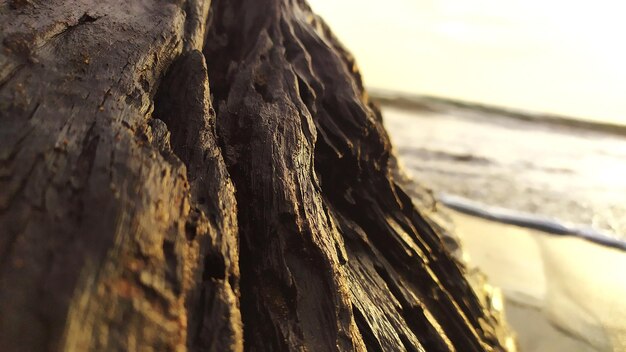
[562, 174]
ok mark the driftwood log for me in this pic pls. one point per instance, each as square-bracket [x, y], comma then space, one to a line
[142, 210]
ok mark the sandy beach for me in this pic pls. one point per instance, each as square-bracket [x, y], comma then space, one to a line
[561, 293]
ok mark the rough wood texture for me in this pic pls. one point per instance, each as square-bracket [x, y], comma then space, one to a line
[120, 227]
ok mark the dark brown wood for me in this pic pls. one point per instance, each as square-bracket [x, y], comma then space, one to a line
[140, 210]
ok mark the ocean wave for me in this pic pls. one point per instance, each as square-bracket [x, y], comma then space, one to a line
[517, 218]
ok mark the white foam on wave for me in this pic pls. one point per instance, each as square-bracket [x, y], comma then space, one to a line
[537, 222]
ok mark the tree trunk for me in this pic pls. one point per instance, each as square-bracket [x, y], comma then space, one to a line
[141, 211]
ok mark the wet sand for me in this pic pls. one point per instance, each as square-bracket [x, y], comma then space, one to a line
[561, 293]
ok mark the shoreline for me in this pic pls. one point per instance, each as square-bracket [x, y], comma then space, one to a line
[562, 285]
[433, 104]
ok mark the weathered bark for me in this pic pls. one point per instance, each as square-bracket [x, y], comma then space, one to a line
[133, 216]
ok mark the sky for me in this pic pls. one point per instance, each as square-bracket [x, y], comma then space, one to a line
[552, 56]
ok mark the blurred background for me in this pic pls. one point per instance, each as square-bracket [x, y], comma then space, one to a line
[529, 95]
[514, 110]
